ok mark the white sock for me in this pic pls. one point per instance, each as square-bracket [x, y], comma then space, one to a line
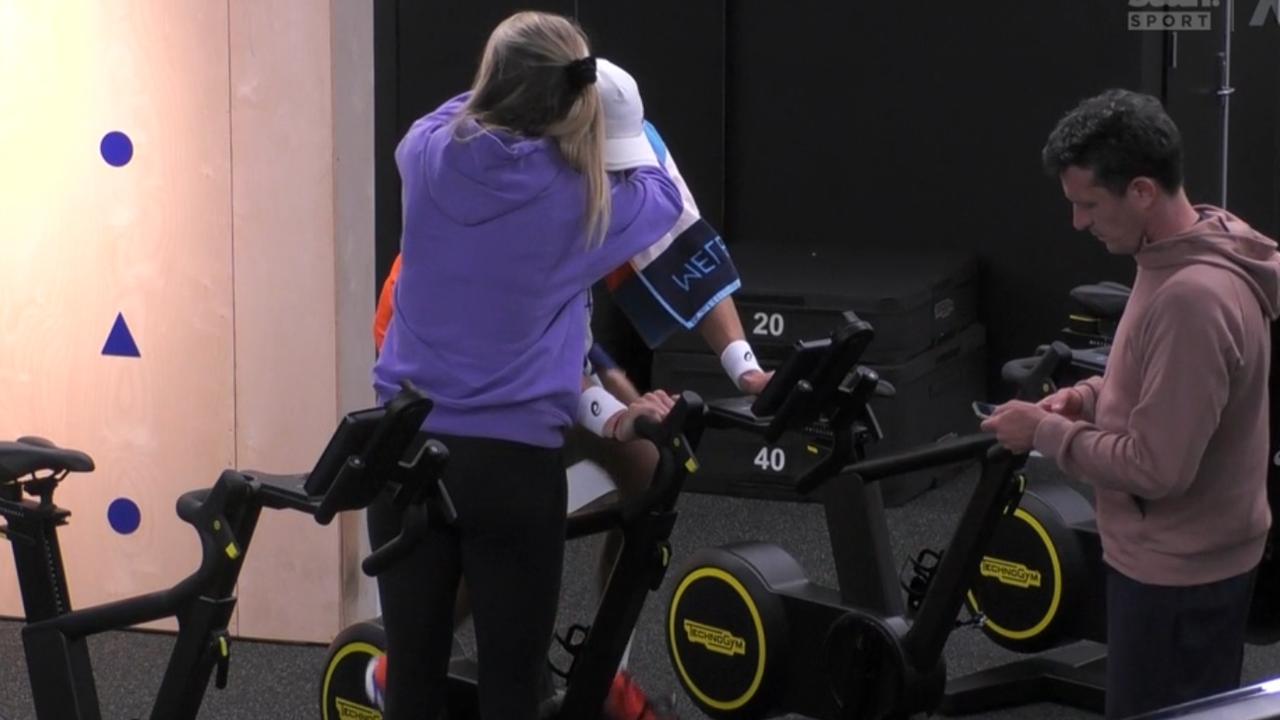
[626, 653]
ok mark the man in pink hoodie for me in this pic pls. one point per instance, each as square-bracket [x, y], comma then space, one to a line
[1174, 437]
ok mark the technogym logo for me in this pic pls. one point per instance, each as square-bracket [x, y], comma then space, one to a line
[348, 710]
[715, 639]
[1010, 573]
[1191, 14]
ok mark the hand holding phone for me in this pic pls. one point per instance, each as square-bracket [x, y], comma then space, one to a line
[983, 409]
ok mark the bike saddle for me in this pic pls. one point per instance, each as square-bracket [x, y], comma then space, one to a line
[32, 454]
[1106, 299]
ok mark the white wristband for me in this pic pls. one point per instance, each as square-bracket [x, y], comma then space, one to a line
[738, 359]
[595, 406]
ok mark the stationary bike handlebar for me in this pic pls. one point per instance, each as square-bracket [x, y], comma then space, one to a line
[429, 496]
[675, 460]
[675, 456]
[1033, 376]
[946, 452]
[206, 511]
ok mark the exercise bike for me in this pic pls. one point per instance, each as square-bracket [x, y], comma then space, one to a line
[596, 649]
[1042, 587]
[751, 636]
[366, 453]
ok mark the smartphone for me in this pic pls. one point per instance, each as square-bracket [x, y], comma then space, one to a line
[983, 410]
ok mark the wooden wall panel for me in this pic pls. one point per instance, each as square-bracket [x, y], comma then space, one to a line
[354, 228]
[237, 245]
[286, 367]
[81, 240]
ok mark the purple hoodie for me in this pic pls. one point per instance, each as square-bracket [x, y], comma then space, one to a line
[1175, 435]
[490, 314]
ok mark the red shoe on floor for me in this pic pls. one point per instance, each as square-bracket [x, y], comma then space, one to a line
[627, 701]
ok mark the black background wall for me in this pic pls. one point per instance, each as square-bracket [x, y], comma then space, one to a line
[810, 123]
[898, 124]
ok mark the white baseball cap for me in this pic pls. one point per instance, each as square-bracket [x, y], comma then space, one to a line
[625, 143]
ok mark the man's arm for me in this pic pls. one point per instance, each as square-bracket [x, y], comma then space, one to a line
[1189, 358]
[722, 329]
[721, 326]
[604, 415]
[1090, 389]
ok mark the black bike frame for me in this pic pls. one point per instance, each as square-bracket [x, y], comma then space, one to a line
[369, 451]
[62, 682]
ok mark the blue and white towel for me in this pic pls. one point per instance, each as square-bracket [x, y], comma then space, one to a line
[673, 284]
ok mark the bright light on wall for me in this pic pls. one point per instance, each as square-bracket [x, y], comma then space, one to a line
[49, 78]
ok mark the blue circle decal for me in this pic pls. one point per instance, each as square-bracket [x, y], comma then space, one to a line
[116, 148]
[124, 515]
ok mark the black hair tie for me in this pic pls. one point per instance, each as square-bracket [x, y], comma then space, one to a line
[581, 73]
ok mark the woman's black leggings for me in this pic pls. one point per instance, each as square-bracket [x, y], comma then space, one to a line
[508, 542]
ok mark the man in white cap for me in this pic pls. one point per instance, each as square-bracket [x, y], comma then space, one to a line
[632, 142]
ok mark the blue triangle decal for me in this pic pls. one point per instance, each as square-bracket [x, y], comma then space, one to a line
[120, 341]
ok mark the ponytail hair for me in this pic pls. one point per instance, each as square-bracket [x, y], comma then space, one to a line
[537, 79]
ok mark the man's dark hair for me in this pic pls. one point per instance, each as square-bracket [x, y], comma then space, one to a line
[1119, 135]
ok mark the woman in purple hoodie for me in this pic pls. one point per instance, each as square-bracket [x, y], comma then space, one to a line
[1174, 437]
[509, 218]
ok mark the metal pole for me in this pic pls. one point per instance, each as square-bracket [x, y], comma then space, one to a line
[1224, 95]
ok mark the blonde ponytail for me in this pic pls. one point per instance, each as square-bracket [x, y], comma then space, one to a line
[581, 139]
[525, 84]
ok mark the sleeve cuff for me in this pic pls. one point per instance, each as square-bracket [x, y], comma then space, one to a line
[1089, 394]
[1050, 434]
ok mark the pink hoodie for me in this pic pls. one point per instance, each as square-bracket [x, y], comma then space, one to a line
[1175, 436]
